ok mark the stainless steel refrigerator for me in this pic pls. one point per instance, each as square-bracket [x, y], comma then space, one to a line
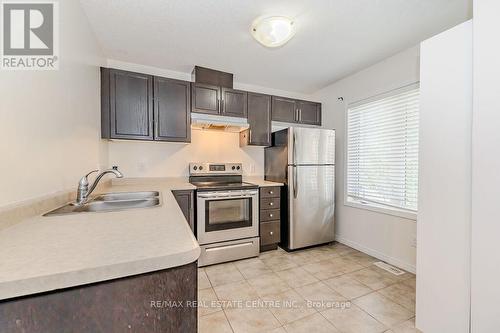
[304, 159]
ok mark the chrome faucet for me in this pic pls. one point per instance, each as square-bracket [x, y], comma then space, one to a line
[84, 192]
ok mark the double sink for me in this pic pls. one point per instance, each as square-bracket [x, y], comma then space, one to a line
[111, 202]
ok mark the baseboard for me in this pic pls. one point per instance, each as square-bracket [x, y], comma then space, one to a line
[374, 253]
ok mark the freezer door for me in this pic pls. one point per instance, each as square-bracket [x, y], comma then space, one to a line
[311, 146]
[311, 205]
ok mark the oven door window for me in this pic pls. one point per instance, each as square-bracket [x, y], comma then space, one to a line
[228, 214]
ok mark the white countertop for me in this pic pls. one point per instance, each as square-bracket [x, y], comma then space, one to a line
[260, 181]
[47, 253]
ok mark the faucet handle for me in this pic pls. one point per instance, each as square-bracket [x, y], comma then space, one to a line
[84, 181]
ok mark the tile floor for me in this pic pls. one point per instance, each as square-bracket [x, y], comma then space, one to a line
[332, 288]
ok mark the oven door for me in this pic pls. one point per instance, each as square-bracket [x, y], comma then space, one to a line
[227, 215]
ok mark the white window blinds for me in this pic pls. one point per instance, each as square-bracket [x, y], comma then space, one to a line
[382, 150]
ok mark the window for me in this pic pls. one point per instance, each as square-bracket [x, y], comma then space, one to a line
[382, 152]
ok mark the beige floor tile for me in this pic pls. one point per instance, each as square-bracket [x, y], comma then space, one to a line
[203, 281]
[412, 283]
[215, 322]
[252, 267]
[324, 252]
[249, 320]
[341, 249]
[303, 257]
[347, 286]
[406, 327]
[279, 263]
[296, 277]
[288, 306]
[362, 258]
[321, 296]
[383, 309]
[323, 270]
[373, 278]
[402, 294]
[268, 284]
[353, 320]
[208, 302]
[223, 273]
[277, 330]
[315, 323]
[346, 264]
[235, 292]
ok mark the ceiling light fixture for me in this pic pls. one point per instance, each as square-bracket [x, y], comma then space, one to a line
[272, 31]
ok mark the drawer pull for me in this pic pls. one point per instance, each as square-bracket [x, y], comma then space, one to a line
[270, 215]
[271, 204]
[271, 233]
[271, 192]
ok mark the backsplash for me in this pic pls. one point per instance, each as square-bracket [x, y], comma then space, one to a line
[154, 159]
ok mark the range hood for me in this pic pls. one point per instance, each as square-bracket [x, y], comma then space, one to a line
[218, 123]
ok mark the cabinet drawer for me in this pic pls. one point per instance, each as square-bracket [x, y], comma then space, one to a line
[269, 215]
[270, 192]
[269, 233]
[269, 203]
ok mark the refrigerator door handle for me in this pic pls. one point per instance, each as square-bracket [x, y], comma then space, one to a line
[295, 189]
[293, 148]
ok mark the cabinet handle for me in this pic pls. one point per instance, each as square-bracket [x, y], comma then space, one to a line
[270, 215]
[271, 233]
[221, 106]
[300, 115]
[250, 135]
[297, 114]
[271, 204]
[271, 192]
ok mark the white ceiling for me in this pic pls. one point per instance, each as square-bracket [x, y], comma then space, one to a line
[334, 37]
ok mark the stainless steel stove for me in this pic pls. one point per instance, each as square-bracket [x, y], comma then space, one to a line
[227, 216]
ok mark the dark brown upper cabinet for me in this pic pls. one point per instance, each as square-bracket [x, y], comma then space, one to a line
[296, 111]
[205, 98]
[234, 103]
[284, 109]
[127, 105]
[142, 107]
[259, 119]
[172, 105]
[309, 113]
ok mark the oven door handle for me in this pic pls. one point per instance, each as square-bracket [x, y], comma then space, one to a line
[214, 196]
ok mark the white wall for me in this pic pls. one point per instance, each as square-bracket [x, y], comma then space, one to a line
[153, 159]
[159, 159]
[49, 120]
[444, 206]
[486, 169]
[387, 237]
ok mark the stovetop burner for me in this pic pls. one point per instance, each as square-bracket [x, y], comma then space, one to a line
[218, 176]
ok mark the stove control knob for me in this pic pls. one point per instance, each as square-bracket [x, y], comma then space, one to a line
[233, 167]
[195, 168]
[238, 167]
[201, 168]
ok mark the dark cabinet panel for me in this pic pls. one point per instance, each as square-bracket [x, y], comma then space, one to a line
[259, 119]
[270, 203]
[234, 103]
[119, 305]
[269, 233]
[205, 98]
[309, 113]
[130, 103]
[172, 110]
[270, 192]
[284, 109]
[185, 199]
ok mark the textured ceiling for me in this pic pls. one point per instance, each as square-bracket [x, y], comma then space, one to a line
[334, 37]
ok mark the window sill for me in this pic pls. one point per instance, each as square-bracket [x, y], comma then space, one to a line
[380, 209]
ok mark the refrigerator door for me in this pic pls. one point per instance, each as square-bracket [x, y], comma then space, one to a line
[311, 205]
[310, 146]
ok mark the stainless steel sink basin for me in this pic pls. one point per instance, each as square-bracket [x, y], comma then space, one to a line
[111, 202]
[127, 196]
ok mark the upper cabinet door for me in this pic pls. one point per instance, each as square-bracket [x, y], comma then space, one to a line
[309, 113]
[205, 98]
[259, 119]
[234, 103]
[172, 110]
[131, 105]
[284, 109]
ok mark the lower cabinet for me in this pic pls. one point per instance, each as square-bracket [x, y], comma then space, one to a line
[185, 199]
[269, 218]
[142, 303]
